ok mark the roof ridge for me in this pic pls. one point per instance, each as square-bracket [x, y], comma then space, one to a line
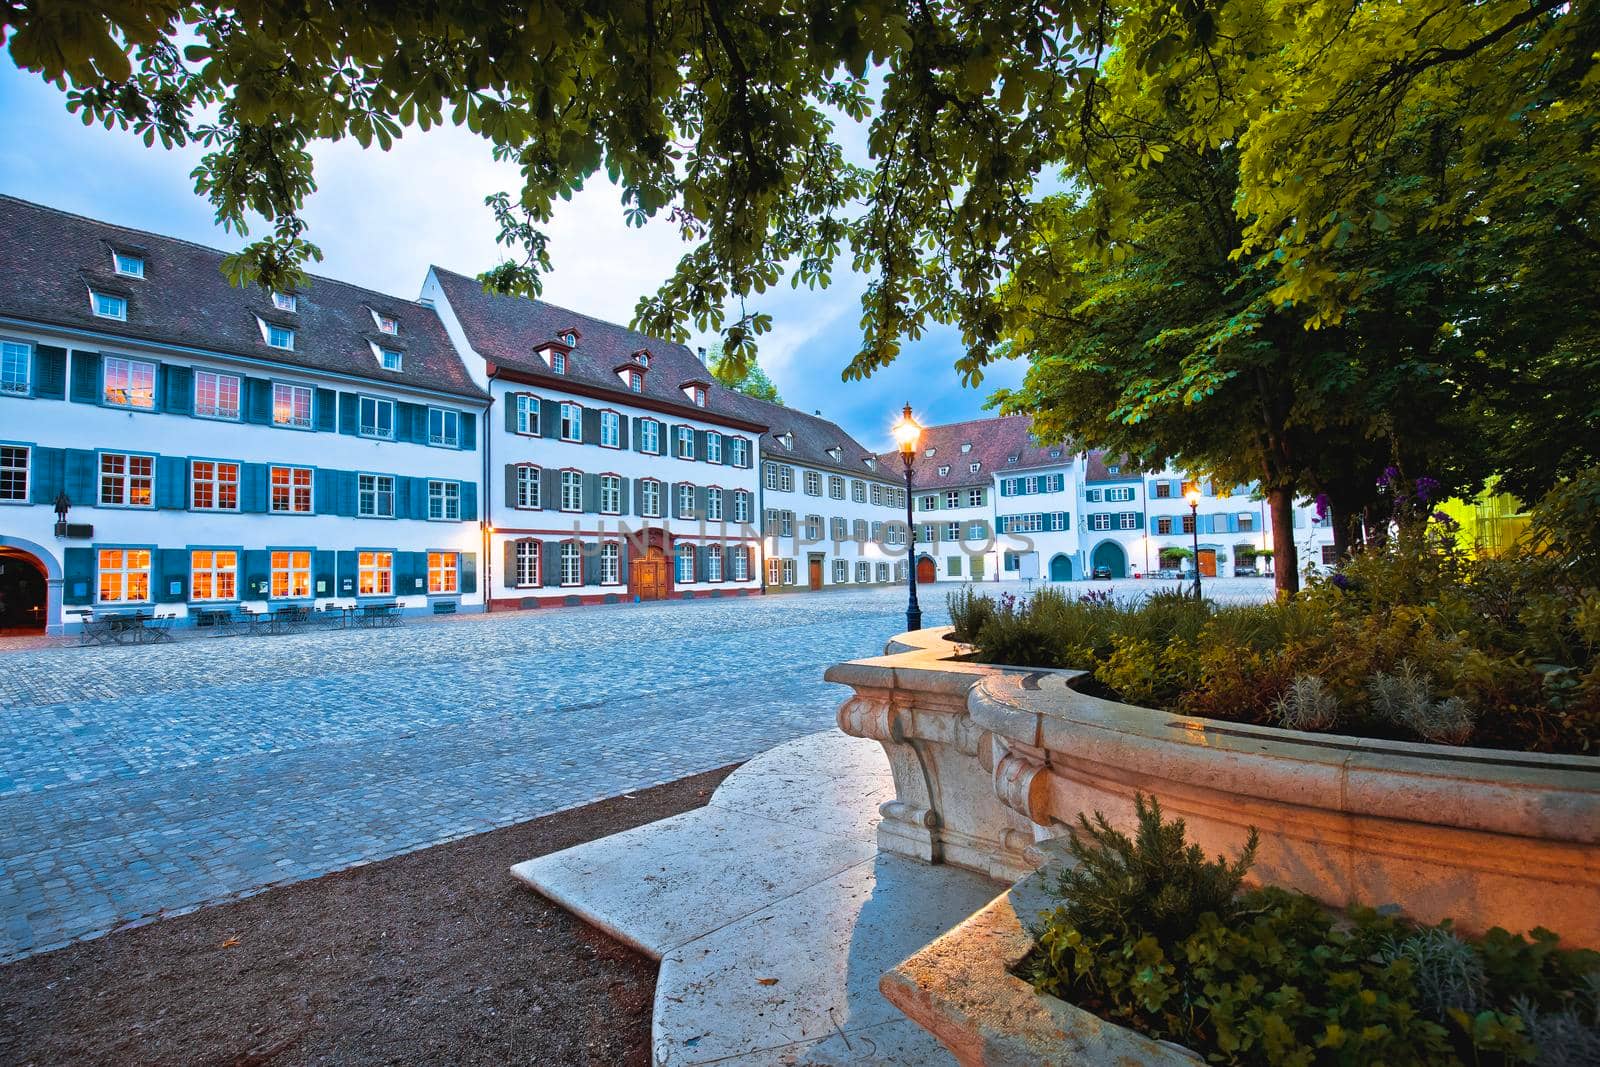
[170, 239]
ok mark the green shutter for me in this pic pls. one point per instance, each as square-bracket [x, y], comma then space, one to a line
[322, 573]
[257, 574]
[86, 377]
[83, 477]
[349, 413]
[177, 389]
[258, 401]
[172, 578]
[253, 487]
[550, 565]
[327, 410]
[49, 372]
[77, 569]
[590, 426]
[469, 501]
[172, 482]
[469, 572]
[347, 563]
[549, 418]
[47, 475]
[468, 442]
[510, 401]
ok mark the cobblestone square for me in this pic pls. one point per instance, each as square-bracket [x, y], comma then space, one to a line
[149, 780]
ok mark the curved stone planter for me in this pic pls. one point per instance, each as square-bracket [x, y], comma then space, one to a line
[989, 760]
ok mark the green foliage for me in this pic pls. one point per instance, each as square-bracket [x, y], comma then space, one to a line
[968, 613]
[1150, 935]
[1414, 640]
[739, 370]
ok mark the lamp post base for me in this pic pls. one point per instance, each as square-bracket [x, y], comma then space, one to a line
[913, 618]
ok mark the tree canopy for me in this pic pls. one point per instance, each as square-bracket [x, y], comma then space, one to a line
[744, 375]
[722, 120]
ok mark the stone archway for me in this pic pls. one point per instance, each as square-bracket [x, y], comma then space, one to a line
[1060, 568]
[30, 588]
[1110, 555]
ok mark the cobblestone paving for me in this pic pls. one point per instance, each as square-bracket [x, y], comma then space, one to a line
[146, 781]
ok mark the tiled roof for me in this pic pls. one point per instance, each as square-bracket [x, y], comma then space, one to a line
[508, 331]
[997, 445]
[51, 259]
[1095, 468]
[811, 436]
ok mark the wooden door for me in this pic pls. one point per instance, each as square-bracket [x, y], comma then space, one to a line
[926, 571]
[1208, 562]
[648, 575]
[816, 574]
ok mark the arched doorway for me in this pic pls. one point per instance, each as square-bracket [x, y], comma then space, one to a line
[926, 571]
[1060, 568]
[24, 593]
[1109, 554]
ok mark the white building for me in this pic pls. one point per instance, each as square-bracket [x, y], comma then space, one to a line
[220, 448]
[1036, 496]
[953, 494]
[613, 468]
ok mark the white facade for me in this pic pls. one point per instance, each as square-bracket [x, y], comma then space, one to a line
[955, 533]
[1034, 521]
[825, 527]
[193, 485]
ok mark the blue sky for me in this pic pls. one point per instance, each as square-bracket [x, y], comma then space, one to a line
[381, 217]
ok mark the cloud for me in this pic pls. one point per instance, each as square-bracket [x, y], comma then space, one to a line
[381, 218]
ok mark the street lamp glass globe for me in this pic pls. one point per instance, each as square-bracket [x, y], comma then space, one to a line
[907, 431]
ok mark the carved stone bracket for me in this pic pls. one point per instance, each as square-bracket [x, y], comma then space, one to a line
[1014, 780]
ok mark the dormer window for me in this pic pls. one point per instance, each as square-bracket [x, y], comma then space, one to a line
[972, 468]
[107, 306]
[388, 358]
[1055, 453]
[966, 446]
[872, 463]
[786, 439]
[558, 361]
[643, 358]
[128, 264]
[1113, 470]
[277, 336]
[699, 395]
[635, 382]
[569, 338]
[836, 452]
[386, 323]
[930, 450]
[943, 471]
[1011, 459]
[285, 301]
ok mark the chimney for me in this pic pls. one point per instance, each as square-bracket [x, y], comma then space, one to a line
[702, 351]
[817, 412]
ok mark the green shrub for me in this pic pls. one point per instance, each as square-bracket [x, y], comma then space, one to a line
[968, 612]
[1149, 934]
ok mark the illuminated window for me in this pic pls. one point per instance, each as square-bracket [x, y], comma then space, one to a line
[124, 575]
[386, 323]
[213, 574]
[127, 481]
[291, 574]
[291, 490]
[216, 396]
[130, 383]
[444, 572]
[375, 573]
[213, 485]
[291, 405]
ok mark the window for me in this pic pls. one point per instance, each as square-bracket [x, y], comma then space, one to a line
[785, 478]
[1188, 524]
[685, 442]
[841, 571]
[127, 481]
[699, 396]
[977, 531]
[952, 499]
[610, 429]
[213, 574]
[953, 566]
[291, 490]
[1163, 491]
[444, 500]
[1121, 492]
[650, 436]
[1163, 525]
[291, 405]
[527, 414]
[213, 485]
[1247, 522]
[741, 563]
[713, 448]
[788, 572]
[813, 528]
[1093, 495]
[386, 323]
[858, 530]
[571, 422]
[526, 487]
[377, 418]
[571, 563]
[107, 306]
[928, 502]
[650, 498]
[943, 471]
[128, 264]
[1330, 555]
[714, 504]
[610, 563]
[774, 571]
[390, 359]
[835, 487]
[279, 336]
[16, 367]
[14, 473]
[863, 571]
[525, 557]
[635, 382]
[813, 483]
[124, 575]
[714, 564]
[1099, 522]
[838, 528]
[570, 338]
[739, 451]
[974, 498]
[444, 572]
[291, 574]
[444, 428]
[883, 572]
[130, 383]
[571, 491]
[973, 468]
[610, 494]
[858, 491]
[684, 556]
[558, 361]
[284, 301]
[375, 496]
[685, 509]
[741, 506]
[216, 396]
[785, 524]
[375, 573]
[771, 475]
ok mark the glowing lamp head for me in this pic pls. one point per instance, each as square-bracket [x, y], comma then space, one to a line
[1191, 495]
[907, 432]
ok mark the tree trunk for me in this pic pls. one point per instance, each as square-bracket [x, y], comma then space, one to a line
[1285, 561]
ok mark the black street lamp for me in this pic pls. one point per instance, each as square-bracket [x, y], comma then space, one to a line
[1192, 496]
[907, 432]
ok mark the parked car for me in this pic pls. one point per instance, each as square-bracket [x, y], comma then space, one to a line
[1102, 574]
[1245, 572]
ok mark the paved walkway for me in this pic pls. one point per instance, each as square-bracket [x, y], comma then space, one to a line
[149, 780]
